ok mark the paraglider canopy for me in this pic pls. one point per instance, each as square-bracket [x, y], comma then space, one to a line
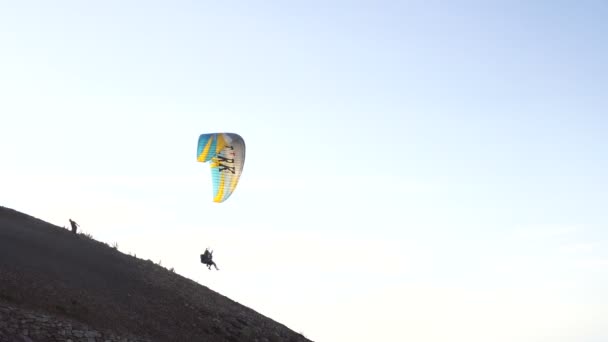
[226, 154]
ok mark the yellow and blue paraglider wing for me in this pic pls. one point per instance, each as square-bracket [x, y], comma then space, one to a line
[226, 154]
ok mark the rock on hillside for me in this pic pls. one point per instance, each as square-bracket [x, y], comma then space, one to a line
[55, 286]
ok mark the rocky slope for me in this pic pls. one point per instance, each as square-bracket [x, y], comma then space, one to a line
[59, 286]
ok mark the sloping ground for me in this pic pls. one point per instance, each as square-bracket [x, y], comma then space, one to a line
[51, 270]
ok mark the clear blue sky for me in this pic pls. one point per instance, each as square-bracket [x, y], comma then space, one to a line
[416, 170]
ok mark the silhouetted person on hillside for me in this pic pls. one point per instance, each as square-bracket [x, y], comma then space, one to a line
[74, 226]
[207, 259]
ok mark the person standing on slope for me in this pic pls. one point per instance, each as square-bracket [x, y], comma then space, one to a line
[74, 226]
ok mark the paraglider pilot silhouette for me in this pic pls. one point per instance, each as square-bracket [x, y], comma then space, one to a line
[74, 226]
[207, 259]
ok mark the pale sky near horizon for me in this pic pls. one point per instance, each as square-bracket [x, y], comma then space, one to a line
[415, 170]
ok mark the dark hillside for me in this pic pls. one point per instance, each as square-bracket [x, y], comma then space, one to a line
[47, 269]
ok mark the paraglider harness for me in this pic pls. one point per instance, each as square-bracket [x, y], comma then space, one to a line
[207, 259]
